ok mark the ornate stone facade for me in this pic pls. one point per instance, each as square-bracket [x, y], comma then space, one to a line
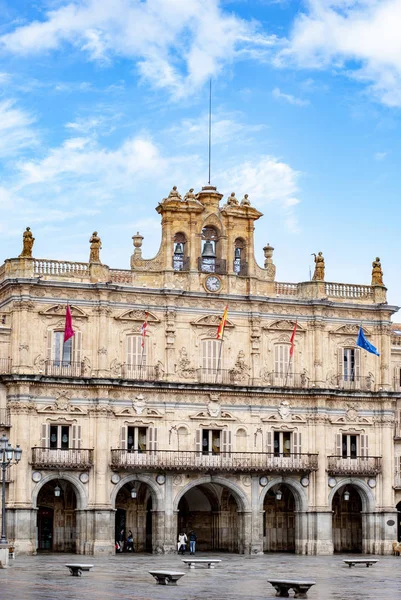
[146, 422]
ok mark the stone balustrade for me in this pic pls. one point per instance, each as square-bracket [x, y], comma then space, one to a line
[351, 291]
[60, 268]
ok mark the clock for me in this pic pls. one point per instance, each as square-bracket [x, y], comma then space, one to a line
[212, 283]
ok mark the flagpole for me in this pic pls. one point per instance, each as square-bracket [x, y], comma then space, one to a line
[288, 370]
[219, 360]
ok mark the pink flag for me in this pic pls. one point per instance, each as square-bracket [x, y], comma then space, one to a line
[143, 329]
[68, 330]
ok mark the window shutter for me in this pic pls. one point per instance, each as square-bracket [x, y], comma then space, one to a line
[45, 439]
[152, 439]
[198, 440]
[50, 337]
[357, 367]
[77, 347]
[123, 437]
[130, 339]
[76, 436]
[210, 355]
[340, 368]
[364, 450]
[296, 442]
[270, 442]
[337, 445]
[282, 360]
[226, 441]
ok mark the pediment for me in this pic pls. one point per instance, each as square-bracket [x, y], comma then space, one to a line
[203, 414]
[59, 310]
[269, 418]
[137, 315]
[283, 325]
[350, 329]
[210, 320]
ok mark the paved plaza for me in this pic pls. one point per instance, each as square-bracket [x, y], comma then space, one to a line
[123, 577]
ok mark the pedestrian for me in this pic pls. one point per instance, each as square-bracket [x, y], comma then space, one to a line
[192, 542]
[182, 543]
[122, 540]
[130, 542]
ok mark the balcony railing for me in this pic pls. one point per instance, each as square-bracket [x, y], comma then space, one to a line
[56, 458]
[292, 380]
[180, 263]
[61, 368]
[223, 376]
[59, 268]
[142, 372]
[212, 265]
[5, 365]
[360, 465]
[354, 382]
[5, 417]
[176, 460]
[345, 290]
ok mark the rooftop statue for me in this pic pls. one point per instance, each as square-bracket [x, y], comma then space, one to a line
[377, 273]
[190, 195]
[96, 245]
[27, 241]
[245, 201]
[318, 275]
[174, 195]
[232, 200]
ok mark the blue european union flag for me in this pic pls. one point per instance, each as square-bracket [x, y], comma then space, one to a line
[362, 342]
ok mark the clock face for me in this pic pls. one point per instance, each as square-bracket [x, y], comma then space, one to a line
[213, 283]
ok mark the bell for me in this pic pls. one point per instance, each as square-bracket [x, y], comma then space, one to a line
[208, 251]
[179, 249]
[237, 253]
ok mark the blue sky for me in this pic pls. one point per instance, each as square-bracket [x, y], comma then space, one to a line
[103, 108]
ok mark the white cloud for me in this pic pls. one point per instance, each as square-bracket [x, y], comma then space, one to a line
[279, 95]
[359, 37]
[379, 156]
[267, 181]
[16, 131]
[226, 127]
[176, 44]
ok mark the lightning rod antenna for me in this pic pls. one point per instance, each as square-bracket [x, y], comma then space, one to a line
[210, 126]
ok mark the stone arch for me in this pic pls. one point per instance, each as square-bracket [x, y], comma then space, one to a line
[79, 489]
[239, 495]
[366, 494]
[154, 488]
[301, 499]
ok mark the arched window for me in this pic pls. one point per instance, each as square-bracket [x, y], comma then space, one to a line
[64, 358]
[180, 256]
[240, 263]
[210, 260]
[240, 441]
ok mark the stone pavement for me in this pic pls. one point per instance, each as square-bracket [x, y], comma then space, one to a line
[125, 576]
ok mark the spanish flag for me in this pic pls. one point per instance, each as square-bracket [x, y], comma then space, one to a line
[220, 329]
[292, 338]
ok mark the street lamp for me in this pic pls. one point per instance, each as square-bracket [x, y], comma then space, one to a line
[8, 457]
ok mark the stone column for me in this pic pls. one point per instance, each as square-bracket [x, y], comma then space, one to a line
[170, 341]
[385, 359]
[21, 335]
[103, 513]
[170, 518]
[245, 531]
[257, 518]
[103, 344]
[318, 333]
[255, 349]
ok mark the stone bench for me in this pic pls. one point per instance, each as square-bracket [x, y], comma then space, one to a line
[300, 587]
[351, 562]
[77, 569]
[210, 562]
[166, 577]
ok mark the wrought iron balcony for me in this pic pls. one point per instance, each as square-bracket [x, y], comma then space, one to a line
[63, 368]
[57, 458]
[353, 382]
[360, 465]
[223, 376]
[142, 372]
[290, 380]
[185, 460]
[212, 265]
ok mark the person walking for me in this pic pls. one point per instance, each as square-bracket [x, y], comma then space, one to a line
[182, 543]
[192, 542]
[130, 542]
